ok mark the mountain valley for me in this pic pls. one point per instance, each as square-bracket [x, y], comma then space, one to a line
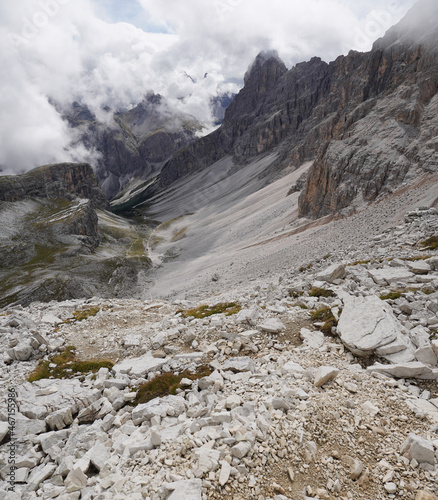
[251, 314]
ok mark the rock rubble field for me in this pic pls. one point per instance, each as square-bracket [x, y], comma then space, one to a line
[320, 382]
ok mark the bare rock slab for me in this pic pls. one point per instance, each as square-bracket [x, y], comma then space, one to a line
[389, 275]
[425, 495]
[272, 325]
[402, 370]
[140, 366]
[239, 364]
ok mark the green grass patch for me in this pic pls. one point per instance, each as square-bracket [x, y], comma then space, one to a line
[83, 314]
[321, 292]
[428, 291]
[65, 365]
[430, 243]
[326, 316]
[203, 311]
[167, 384]
[391, 296]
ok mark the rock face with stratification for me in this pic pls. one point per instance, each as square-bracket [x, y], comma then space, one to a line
[61, 180]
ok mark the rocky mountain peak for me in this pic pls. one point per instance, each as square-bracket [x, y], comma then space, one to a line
[264, 72]
[418, 27]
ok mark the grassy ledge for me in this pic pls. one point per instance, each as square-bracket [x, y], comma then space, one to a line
[65, 365]
[166, 384]
[228, 308]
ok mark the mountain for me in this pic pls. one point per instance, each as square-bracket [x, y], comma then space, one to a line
[135, 143]
[367, 121]
[59, 242]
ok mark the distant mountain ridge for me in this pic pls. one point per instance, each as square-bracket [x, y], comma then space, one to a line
[137, 143]
[367, 120]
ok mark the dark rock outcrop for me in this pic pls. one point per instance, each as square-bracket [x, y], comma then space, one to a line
[63, 180]
[136, 143]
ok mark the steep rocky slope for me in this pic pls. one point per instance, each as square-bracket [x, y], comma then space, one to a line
[58, 242]
[385, 128]
[369, 120]
[263, 398]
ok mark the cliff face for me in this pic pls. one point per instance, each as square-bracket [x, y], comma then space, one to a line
[63, 180]
[271, 107]
[385, 127]
[368, 120]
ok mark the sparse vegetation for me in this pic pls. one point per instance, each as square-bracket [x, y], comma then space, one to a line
[325, 315]
[391, 296]
[82, 314]
[418, 257]
[155, 241]
[360, 262]
[305, 268]
[430, 243]
[166, 384]
[321, 292]
[322, 314]
[295, 294]
[203, 311]
[65, 365]
[167, 224]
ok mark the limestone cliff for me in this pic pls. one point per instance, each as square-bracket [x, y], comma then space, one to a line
[63, 180]
[384, 124]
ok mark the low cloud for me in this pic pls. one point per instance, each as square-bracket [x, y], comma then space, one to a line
[61, 51]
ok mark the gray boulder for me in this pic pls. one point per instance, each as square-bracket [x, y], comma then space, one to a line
[368, 324]
[332, 274]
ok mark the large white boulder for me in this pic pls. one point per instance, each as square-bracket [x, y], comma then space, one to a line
[368, 324]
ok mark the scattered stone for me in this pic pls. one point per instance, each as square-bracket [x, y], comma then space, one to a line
[239, 364]
[76, 480]
[185, 490]
[332, 273]
[272, 325]
[391, 488]
[324, 374]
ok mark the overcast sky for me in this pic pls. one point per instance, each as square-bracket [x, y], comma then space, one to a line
[112, 52]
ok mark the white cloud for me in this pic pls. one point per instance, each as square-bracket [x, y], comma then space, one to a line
[63, 50]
